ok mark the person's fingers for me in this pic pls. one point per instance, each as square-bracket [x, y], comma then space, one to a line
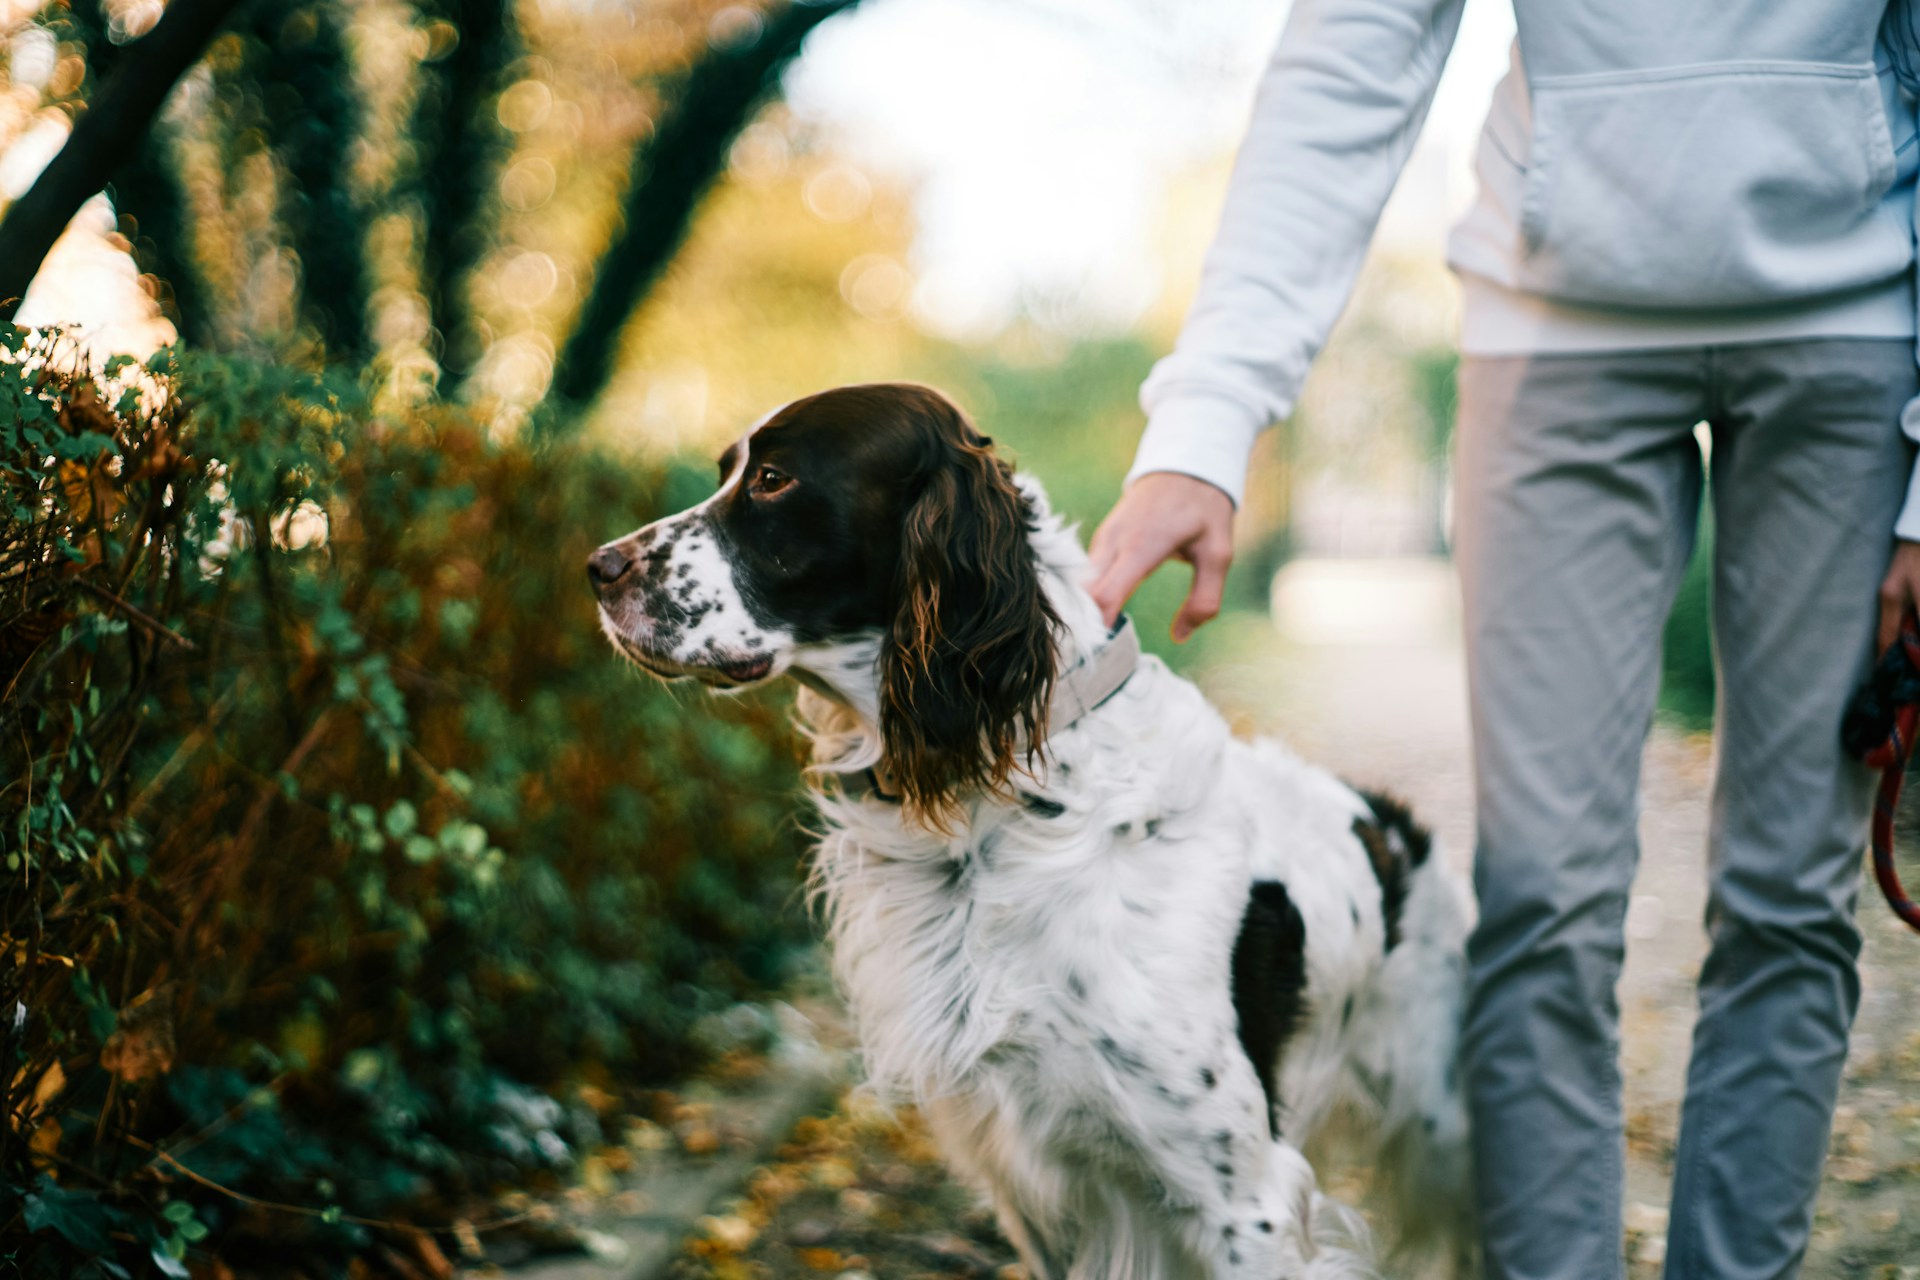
[1210, 561]
[1110, 596]
[1161, 515]
[1126, 569]
[1100, 550]
[1896, 594]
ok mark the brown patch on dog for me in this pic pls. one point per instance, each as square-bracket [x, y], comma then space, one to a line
[1396, 845]
[967, 671]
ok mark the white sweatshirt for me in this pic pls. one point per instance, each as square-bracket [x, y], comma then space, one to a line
[1653, 173]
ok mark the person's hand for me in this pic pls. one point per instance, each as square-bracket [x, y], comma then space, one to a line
[1899, 591]
[1162, 515]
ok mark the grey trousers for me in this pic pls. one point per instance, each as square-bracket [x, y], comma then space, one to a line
[1578, 484]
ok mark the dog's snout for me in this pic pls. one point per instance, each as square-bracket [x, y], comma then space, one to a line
[607, 566]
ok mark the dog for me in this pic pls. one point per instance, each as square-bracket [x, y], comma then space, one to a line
[1127, 965]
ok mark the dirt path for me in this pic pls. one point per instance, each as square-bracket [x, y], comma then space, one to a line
[860, 1195]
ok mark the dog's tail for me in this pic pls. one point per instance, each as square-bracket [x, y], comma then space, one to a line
[1407, 1052]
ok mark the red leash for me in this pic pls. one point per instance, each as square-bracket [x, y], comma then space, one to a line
[1891, 757]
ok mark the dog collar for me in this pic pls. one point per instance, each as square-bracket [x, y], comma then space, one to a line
[1095, 678]
[1076, 695]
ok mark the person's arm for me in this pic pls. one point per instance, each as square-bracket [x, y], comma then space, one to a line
[1900, 590]
[1338, 110]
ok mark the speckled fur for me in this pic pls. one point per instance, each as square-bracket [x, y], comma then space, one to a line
[686, 615]
[1050, 981]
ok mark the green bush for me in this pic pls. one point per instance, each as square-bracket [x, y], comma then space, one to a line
[332, 828]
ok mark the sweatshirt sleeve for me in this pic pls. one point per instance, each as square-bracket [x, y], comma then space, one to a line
[1900, 44]
[1907, 527]
[1335, 118]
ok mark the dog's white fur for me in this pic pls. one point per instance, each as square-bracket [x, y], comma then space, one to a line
[1053, 988]
[1053, 991]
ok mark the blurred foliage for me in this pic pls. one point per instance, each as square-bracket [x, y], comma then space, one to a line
[679, 161]
[451, 190]
[460, 144]
[1687, 673]
[330, 827]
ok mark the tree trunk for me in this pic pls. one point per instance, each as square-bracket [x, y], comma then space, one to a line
[460, 146]
[103, 139]
[146, 195]
[314, 117]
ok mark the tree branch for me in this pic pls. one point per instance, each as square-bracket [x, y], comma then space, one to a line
[103, 139]
[671, 172]
[461, 146]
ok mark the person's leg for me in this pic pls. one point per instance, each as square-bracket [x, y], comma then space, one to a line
[1578, 482]
[1809, 470]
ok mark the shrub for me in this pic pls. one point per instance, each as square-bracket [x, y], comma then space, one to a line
[332, 829]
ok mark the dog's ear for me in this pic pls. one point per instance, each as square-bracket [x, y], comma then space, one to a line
[967, 666]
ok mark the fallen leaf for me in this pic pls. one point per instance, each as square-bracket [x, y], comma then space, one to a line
[142, 1043]
[823, 1259]
[51, 1082]
[597, 1177]
[730, 1231]
[431, 1256]
[46, 1139]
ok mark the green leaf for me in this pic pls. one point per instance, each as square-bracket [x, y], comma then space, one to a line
[401, 819]
[87, 444]
[362, 1068]
[78, 1216]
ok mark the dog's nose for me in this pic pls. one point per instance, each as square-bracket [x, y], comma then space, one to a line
[606, 566]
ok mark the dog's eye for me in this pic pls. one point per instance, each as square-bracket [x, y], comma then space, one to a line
[767, 481]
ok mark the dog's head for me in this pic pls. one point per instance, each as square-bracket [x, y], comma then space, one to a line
[861, 513]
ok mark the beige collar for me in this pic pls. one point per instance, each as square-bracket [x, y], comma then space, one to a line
[1090, 682]
[1094, 678]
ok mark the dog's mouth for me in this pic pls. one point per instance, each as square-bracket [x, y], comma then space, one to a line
[722, 673]
[745, 671]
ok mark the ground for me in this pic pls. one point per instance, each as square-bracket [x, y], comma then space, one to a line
[857, 1194]
[860, 1194]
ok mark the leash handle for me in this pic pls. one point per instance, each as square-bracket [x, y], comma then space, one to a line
[1891, 758]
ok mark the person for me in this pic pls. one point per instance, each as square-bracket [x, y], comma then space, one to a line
[1687, 213]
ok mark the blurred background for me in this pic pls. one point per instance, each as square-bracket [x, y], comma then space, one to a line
[363, 916]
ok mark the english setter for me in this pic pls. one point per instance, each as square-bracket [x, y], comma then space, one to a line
[1126, 964]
